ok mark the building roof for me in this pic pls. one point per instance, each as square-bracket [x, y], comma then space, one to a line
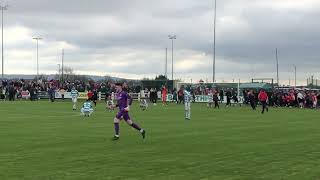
[255, 86]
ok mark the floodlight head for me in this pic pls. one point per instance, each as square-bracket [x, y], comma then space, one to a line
[4, 7]
[172, 37]
[37, 38]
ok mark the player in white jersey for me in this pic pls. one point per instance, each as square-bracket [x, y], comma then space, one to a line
[74, 96]
[110, 104]
[187, 103]
[143, 101]
[87, 109]
[144, 104]
[210, 99]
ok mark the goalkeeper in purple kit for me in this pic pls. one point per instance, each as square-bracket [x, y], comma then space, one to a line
[123, 102]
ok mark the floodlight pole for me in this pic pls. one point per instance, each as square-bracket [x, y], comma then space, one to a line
[277, 67]
[62, 69]
[214, 43]
[172, 37]
[3, 8]
[59, 68]
[166, 64]
[37, 39]
[295, 76]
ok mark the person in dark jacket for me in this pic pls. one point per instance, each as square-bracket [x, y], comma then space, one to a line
[229, 96]
[221, 93]
[12, 93]
[2, 93]
[51, 93]
[180, 97]
[95, 97]
[252, 99]
[216, 99]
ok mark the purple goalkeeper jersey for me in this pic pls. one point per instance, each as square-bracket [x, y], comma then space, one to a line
[122, 99]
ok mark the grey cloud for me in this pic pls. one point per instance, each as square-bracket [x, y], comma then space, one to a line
[247, 34]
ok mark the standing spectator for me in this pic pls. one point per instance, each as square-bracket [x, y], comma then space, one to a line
[309, 100]
[95, 97]
[315, 100]
[153, 96]
[263, 98]
[318, 99]
[12, 92]
[235, 98]
[51, 93]
[62, 92]
[31, 90]
[301, 100]
[180, 96]
[193, 96]
[229, 96]
[221, 93]
[245, 97]
[216, 99]
[164, 93]
[2, 94]
[175, 96]
[90, 95]
[252, 99]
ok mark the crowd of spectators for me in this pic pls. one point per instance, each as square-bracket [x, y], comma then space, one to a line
[303, 98]
[13, 89]
[277, 97]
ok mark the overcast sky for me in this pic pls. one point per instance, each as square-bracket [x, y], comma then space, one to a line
[127, 38]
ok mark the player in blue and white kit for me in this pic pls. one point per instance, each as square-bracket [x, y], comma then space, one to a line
[87, 109]
[74, 96]
[187, 103]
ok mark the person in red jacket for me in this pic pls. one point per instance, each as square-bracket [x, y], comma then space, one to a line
[263, 98]
[164, 93]
[90, 95]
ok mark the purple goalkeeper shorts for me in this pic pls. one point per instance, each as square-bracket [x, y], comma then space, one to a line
[123, 114]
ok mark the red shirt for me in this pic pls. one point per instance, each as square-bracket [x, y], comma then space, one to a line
[288, 98]
[90, 95]
[263, 96]
[314, 98]
[164, 91]
[180, 93]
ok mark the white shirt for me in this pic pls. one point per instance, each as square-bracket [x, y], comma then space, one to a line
[187, 96]
[300, 96]
[210, 97]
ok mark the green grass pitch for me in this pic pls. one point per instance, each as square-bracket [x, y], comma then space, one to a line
[49, 141]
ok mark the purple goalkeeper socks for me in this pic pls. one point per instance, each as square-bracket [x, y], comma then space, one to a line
[116, 128]
[136, 127]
